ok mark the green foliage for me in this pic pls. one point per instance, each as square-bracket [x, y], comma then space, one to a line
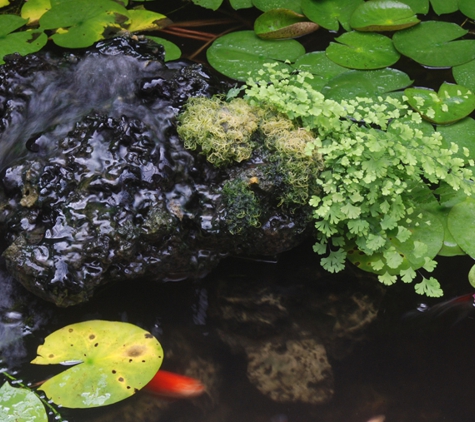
[278, 24]
[113, 360]
[20, 405]
[378, 157]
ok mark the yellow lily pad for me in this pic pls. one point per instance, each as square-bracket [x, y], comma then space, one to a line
[112, 361]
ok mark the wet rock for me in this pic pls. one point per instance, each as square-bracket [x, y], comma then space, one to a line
[97, 187]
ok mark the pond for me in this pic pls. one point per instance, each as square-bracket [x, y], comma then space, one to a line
[276, 338]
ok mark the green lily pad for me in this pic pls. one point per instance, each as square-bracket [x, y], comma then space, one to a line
[117, 360]
[360, 83]
[330, 13]
[451, 103]
[145, 20]
[418, 6]
[209, 4]
[432, 43]
[471, 276]
[240, 4]
[461, 133]
[461, 223]
[34, 9]
[440, 6]
[467, 7]
[172, 51]
[362, 51]
[80, 23]
[24, 42]
[20, 405]
[464, 74]
[266, 5]
[280, 24]
[425, 241]
[383, 15]
[241, 54]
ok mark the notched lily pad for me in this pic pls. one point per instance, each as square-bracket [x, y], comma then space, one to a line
[362, 51]
[330, 13]
[280, 24]
[433, 44]
[118, 359]
[20, 405]
[34, 9]
[383, 15]
[451, 103]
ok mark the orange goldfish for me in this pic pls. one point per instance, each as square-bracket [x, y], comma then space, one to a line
[168, 384]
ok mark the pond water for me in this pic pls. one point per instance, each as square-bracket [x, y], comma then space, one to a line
[391, 360]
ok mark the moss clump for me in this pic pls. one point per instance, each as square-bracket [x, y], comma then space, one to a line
[229, 132]
[223, 131]
[242, 206]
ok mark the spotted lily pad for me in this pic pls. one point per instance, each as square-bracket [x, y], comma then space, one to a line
[279, 24]
[362, 51]
[34, 9]
[330, 13]
[451, 103]
[240, 54]
[20, 405]
[383, 15]
[116, 360]
[80, 23]
[433, 44]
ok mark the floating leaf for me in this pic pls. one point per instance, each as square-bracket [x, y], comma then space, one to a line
[451, 103]
[20, 405]
[4, 3]
[240, 54]
[432, 43]
[145, 20]
[464, 74]
[172, 51]
[359, 83]
[266, 5]
[209, 4]
[442, 7]
[34, 9]
[461, 133]
[427, 233]
[279, 24]
[24, 42]
[471, 276]
[467, 7]
[363, 51]
[83, 22]
[118, 359]
[330, 13]
[240, 4]
[461, 223]
[418, 6]
[383, 15]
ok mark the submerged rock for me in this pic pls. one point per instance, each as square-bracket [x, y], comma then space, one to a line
[97, 187]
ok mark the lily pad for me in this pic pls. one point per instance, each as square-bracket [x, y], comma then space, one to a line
[418, 6]
[362, 51]
[266, 5]
[80, 23]
[426, 240]
[34, 9]
[240, 4]
[461, 133]
[464, 74]
[241, 54]
[145, 20]
[330, 13]
[117, 360]
[451, 103]
[440, 6]
[432, 43]
[383, 15]
[209, 4]
[461, 223]
[359, 83]
[467, 7]
[23, 42]
[172, 51]
[20, 405]
[279, 24]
